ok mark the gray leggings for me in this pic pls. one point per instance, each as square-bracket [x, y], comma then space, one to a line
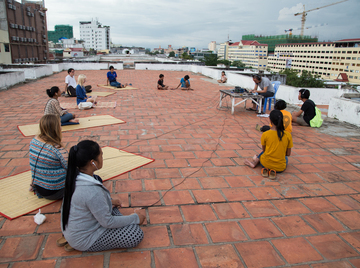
[126, 237]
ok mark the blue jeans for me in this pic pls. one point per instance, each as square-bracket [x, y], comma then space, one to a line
[115, 84]
[286, 158]
[65, 119]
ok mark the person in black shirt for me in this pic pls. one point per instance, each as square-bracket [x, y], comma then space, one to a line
[160, 85]
[308, 108]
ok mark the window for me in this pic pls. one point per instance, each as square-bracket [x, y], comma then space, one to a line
[6, 47]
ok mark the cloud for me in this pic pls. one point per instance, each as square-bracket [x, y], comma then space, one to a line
[288, 13]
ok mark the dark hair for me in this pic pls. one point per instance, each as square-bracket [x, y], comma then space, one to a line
[223, 72]
[70, 70]
[161, 75]
[51, 92]
[280, 105]
[305, 93]
[79, 156]
[276, 118]
[257, 77]
[111, 67]
[186, 77]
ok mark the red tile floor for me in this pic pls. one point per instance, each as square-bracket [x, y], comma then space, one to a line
[218, 213]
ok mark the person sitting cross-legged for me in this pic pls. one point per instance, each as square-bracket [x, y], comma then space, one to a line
[111, 78]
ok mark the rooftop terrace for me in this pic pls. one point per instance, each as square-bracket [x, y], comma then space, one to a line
[220, 213]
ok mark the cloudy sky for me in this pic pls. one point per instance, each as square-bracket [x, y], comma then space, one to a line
[193, 23]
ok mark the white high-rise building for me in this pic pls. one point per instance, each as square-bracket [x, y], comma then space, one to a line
[95, 35]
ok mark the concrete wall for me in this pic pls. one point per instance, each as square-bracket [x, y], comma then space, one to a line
[32, 72]
[59, 67]
[346, 110]
[11, 78]
[162, 67]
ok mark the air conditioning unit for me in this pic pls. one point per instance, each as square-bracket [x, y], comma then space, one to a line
[11, 25]
[44, 40]
[13, 7]
[28, 9]
[35, 40]
[45, 51]
[16, 60]
[16, 26]
[10, 6]
[44, 36]
[17, 38]
[44, 27]
[20, 27]
[9, 1]
[13, 38]
[44, 58]
[28, 13]
[27, 28]
[22, 39]
[36, 59]
[32, 14]
[25, 39]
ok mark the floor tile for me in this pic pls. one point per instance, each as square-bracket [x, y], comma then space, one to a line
[296, 250]
[290, 207]
[188, 234]
[318, 204]
[130, 259]
[218, 256]
[177, 198]
[164, 214]
[21, 248]
[198, 213]
[230, 211]
[260, 228]
[175, 257]
[91, 261]
[261, 209]
[207, 196]
[293, 226]
[323, 223]
[225, 232]
[350, 218]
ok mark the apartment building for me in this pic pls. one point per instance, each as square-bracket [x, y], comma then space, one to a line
[94, 35]
[23, 32]
[251, 53]
[313, 57]
[346, 59]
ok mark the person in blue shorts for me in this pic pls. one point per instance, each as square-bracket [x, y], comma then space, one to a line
[185, 83]
[111, 78]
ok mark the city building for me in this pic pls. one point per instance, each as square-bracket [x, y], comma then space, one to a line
[346, 60]
[74, 52]
[213, 46]
[61, 31]
[273, 40]
[94, 35]
[251, 53]
[23, 32]
[314, 57]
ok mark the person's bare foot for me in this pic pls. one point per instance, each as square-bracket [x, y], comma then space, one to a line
[74, 120]
[249, 163]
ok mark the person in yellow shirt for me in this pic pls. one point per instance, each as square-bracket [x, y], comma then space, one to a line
[276, 145]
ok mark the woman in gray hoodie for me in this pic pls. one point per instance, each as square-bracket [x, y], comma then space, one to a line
[88, 221]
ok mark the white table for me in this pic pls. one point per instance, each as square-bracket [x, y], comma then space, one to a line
[244, 96]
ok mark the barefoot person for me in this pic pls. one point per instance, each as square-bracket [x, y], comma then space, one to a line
[160, 84]
[80, 91]
[91, 220]
[111, 78]
[276, 147]
[308, 108]
[53, 107]
[48, 159]
[185, 83]
[223, 78]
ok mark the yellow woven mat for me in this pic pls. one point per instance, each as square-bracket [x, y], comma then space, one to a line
[100, 94]
[16, 200]
[100, 104]
[85, 122]
[115, 88]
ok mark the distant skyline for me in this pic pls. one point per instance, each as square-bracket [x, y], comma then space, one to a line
[197, 23]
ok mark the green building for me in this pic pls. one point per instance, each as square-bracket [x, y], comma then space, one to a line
[60, 31]
[273, 40]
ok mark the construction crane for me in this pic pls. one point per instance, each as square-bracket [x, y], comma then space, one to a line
[304, 14]
[319, 25]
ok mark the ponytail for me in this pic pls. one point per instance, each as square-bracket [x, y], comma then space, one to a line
[276, 117]
[51, 92]
[79, 156]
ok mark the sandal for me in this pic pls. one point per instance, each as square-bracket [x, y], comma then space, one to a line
[61, 241]
[272, 174]
[258, 128]
[265, 172]
[68, 248]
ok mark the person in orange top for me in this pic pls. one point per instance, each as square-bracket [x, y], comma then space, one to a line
[287, 117]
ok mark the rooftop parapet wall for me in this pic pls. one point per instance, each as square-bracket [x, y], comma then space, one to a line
[346, 110]
[11, 78]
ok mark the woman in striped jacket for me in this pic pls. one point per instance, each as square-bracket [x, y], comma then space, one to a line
[48, 160]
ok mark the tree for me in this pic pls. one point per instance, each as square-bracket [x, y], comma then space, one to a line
[172, 54]
[225, 62]
[210, 59]
[185, 56]
[238, 63]
[306, 79]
